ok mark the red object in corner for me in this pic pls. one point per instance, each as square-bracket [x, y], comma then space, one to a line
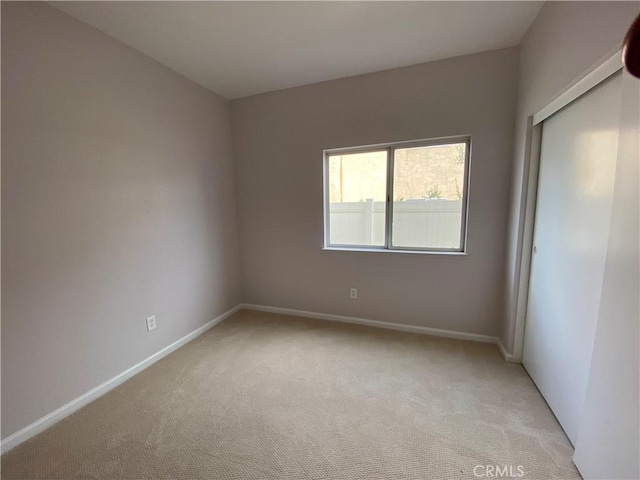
[631, 49]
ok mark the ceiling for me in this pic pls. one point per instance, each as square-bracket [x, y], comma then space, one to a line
[238, 49]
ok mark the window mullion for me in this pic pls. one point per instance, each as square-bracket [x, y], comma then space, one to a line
[389, 209]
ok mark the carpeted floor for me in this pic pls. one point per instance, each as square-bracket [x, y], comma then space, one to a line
[266, 396]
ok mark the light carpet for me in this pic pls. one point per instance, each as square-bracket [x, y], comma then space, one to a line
[266, 396]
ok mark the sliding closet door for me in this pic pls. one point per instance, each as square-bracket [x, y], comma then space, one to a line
[573, 211]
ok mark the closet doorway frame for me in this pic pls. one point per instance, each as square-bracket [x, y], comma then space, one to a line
[597, 74]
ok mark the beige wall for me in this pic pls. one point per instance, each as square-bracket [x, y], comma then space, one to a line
[118, 202]
[278, 140]
[565, 40]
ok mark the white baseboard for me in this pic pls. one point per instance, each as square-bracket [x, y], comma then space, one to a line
[474, 337]
[508, 357]
[64, 411]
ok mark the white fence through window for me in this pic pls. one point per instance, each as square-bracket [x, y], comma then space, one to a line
[424, 222]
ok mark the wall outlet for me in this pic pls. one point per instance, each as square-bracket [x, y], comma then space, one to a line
[151, 323]
[354, 293]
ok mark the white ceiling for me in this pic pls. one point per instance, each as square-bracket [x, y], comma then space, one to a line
[238, 49]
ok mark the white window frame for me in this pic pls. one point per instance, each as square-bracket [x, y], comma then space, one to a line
[390, 149]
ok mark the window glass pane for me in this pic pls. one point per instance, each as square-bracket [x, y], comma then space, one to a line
[357, 192]
[428, 190]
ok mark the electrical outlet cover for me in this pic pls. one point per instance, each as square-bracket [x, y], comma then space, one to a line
[151, 323]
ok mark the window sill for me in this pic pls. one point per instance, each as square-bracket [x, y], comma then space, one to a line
[387, 250]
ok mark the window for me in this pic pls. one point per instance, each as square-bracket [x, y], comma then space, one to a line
[400, 196]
